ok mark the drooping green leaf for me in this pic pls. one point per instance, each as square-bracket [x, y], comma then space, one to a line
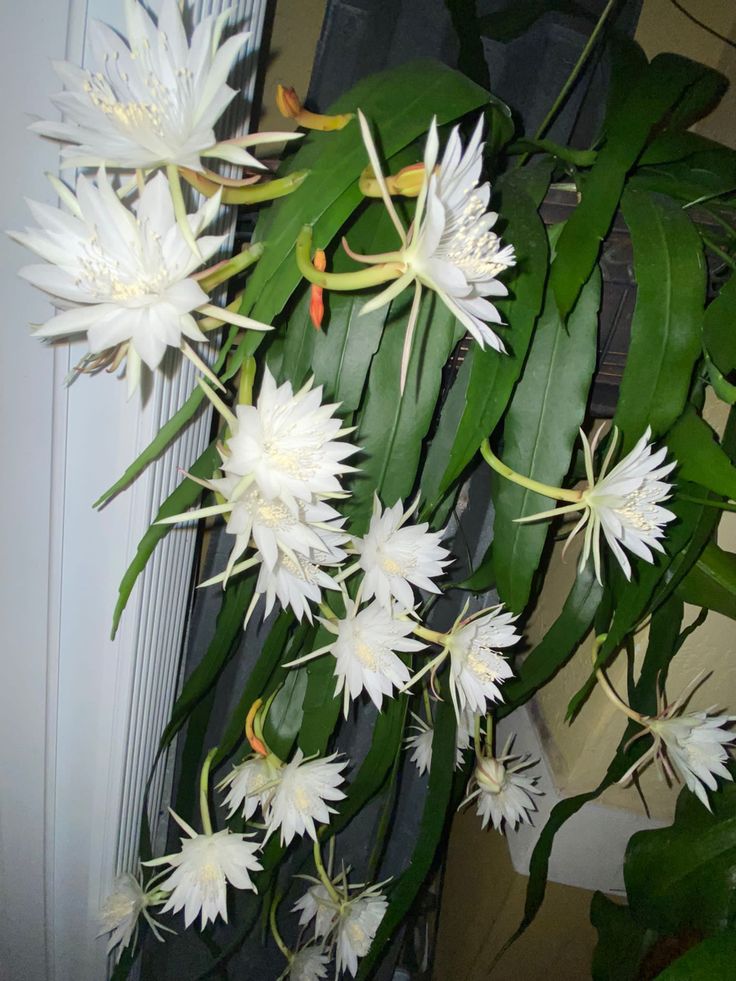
[666, 329]
[484, 384]
[321, 707]
[653, 93]
[670, 146]
[699, 177]
[285, 714]
[699, 456]
[683, 875]
[622, 943]
[712, 959]
[434, 816]
[719, 328]
[558, 644]
[182, 498]
[400, 103]
[539, 434]
[711, 583]
[392, 427]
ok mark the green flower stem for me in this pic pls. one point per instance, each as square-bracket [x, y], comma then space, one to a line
[253, 194]
[275, 932]
[226, 270]
[433, 636]
[326, 881]
[607, 688]
[204, 778]
[359, 280]
[180, 209]
[556, 493]
[489, 731]
[476, 738]
[245, 385]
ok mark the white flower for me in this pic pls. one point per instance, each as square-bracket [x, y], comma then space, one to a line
[152, 100]
[365, 655]
[202, 869]
[299, 797]
[476, 667]
[295, 581]
[250, 783]
[623, 504]
[420, 741]
[316, 904]
[120, 912]
[450, 248]
[503, 793]
[308, 964]
[395, 557]
[120, 276]
[356, 927]
[289, 443]
[688, 746]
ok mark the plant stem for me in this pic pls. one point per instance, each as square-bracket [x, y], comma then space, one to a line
[247, 377]
[606, 686]
[476, 737]
[556, 493]
[204, 778]
[326, 881]
[275, 931]
[180, 209]
[721, 505]
[361, 279]
[226, 270]
[433, 636]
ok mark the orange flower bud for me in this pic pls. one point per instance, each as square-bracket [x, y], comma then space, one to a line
[290, 106]
[316, 303]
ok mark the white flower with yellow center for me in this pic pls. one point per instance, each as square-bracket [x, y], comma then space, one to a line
[121, 276]
[450, 248]
[296, 581]
[624, 503]
[203, 868]
[503, 793]
[477, 668]
[365, 651]
[420, 741]
[122, 908]
[688, 746]
[299, 796]
[249, 783]
[395, 556]
[154, 99]
[289, 444]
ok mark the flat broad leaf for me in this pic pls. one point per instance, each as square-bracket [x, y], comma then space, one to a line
[670, 272]
[622, 943]
[711, 959]
[539, 434]
[699, 456]
[719, 328]
[711, 582]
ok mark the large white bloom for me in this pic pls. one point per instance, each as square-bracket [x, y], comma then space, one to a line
[122, 908]
[289, 444]
[299, 797]
[152, 100]
[365, 651]
[356, 928]
[121, 276]
[250, 784]
[503, 793]
[688, 746]
[296, 581]
[308, 964]
[476, 666]
[395, 556]
[420, 741]
[623, 504]
[202, 870]
[450, 248]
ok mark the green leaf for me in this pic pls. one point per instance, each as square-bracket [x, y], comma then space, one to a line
[392, 427]
[184, 497]
[683, 876]
[670, 272]
[558, 644]
[434, 817]
[699, 456]
[286, 713]
[719, 328]
[321, 706]
[710, 960]
[400, 103]
[699, 177]
[660, 87]
[622, 943]
[539, 434]
[481, 579]
[671, 146]
[711, 583]
[482, 389]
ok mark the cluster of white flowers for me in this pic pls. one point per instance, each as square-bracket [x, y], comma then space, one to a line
[126, 275]
[344, 916]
